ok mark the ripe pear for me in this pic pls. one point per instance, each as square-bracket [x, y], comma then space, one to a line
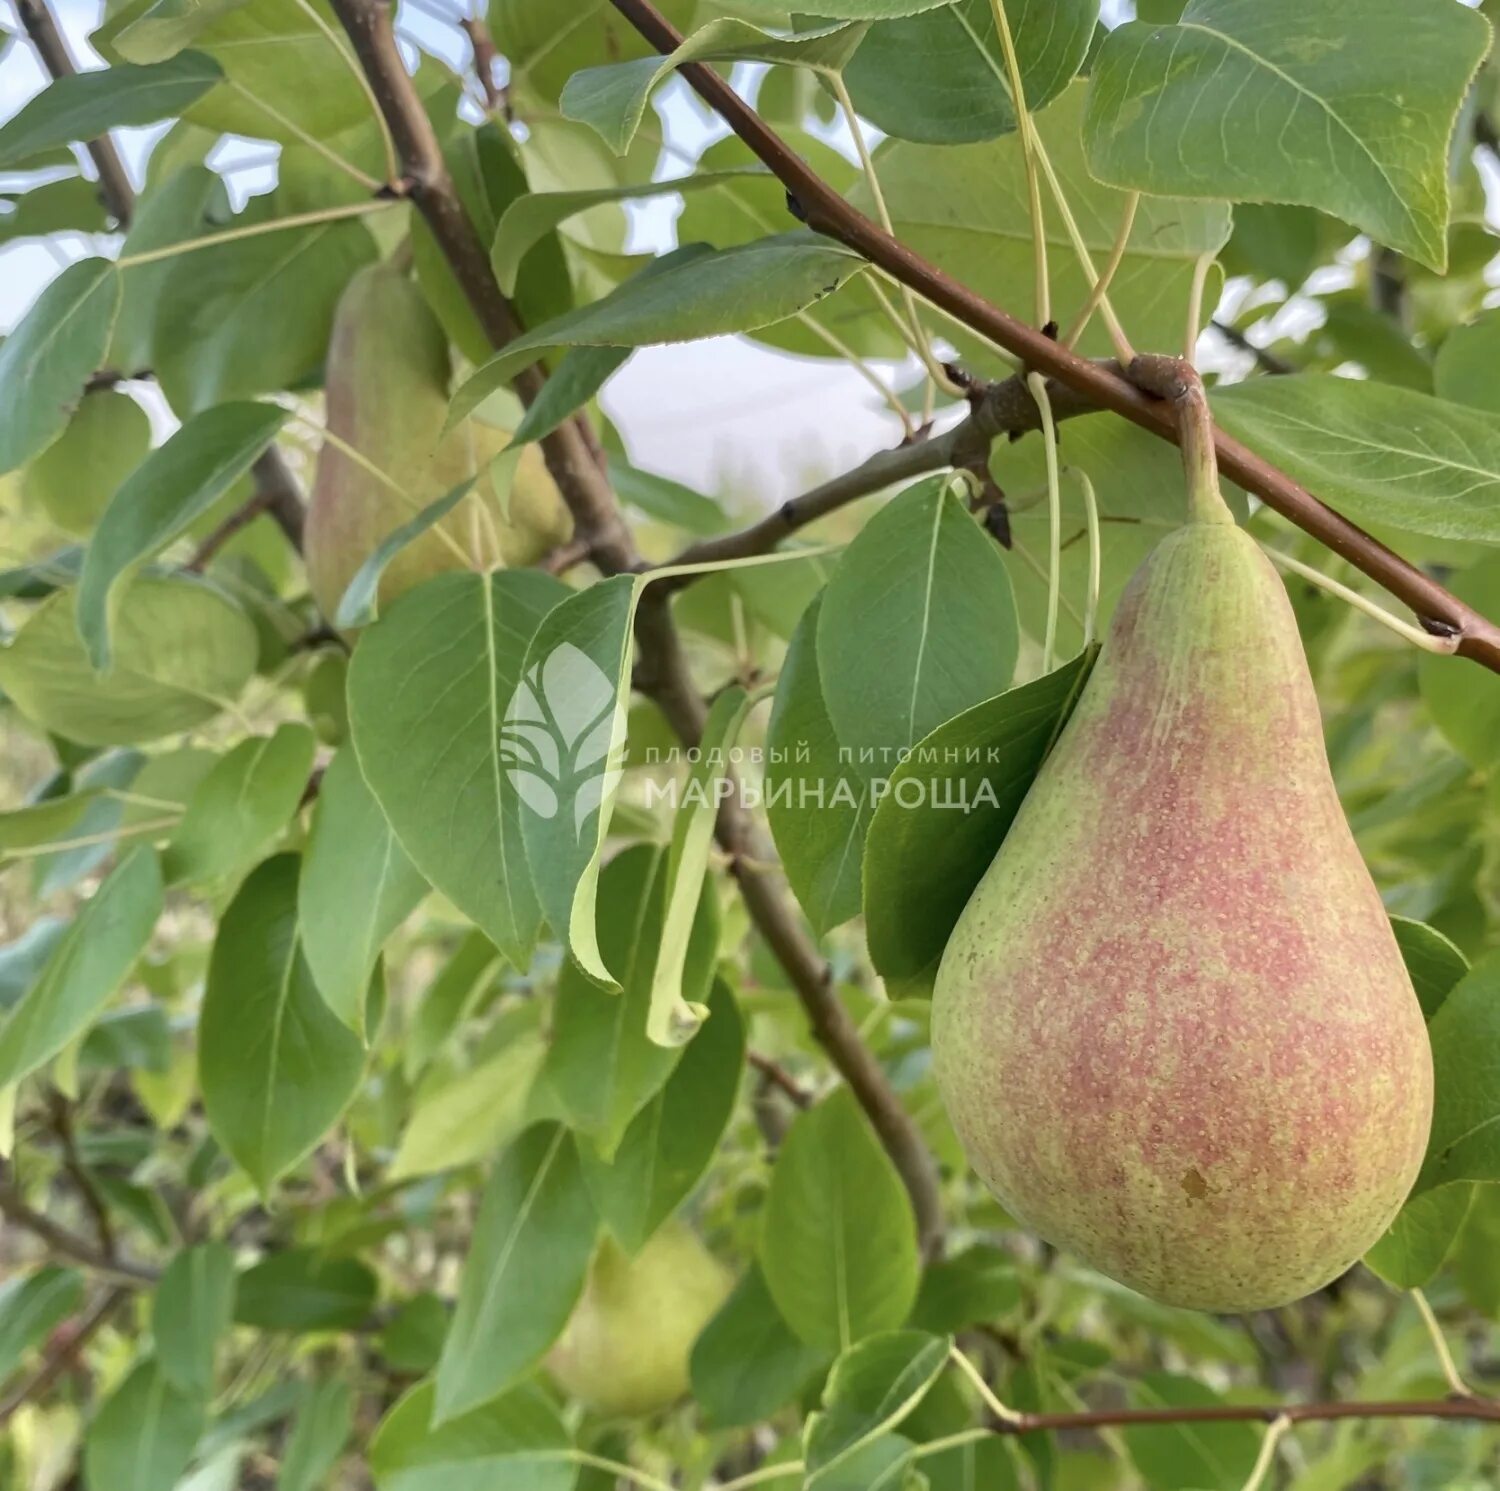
[1172, 1026]
[386, 380]
[74, 478]
[625, 1348]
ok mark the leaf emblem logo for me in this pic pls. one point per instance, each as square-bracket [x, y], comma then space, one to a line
[555, 739]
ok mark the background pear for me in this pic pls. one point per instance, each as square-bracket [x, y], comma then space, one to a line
[1172, 1026]
[625, 1349]
[387, 378]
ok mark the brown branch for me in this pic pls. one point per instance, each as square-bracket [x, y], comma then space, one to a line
[276, 493]
[65, 1244]
[824, 210]
[577, 466]
[1483, 1410]
[1266, 360]
[114, 183]
[777, 1075]
[62, 1124]
[1004, 408]
[485, 58]
[64, 1354]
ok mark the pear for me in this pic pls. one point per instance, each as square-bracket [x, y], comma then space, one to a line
[625, 1348]
[386, 380]
[1172, 1026]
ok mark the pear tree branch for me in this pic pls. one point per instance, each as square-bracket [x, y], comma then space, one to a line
[114, 182]
[577, 466]
[825, 211]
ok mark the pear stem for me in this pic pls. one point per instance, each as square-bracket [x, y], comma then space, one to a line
[1177, 380]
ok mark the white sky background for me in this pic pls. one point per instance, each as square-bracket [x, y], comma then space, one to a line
[720, 415]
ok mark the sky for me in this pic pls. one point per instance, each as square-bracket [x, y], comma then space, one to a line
[739, 417]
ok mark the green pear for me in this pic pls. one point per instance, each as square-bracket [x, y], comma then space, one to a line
[625, 1348]
[1172, 1026]
[386, 381]
[74, 478]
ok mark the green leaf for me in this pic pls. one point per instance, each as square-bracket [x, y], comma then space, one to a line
[460, 1120]
[253, 315]
[182, 652]
[90, 962]
[612, 99]
[428, 690]
[530, 218]
[518, 1441]
[357, 886]
[874, 1387]
[276, 1066]
[746, 1363]
[1465, 1034]
[666, 500]
[72, 480]
[70, 205]
[844, 10]
[301, 1290]
[240, 808]
[44, 822]
[85, 105]
[940, 77]
[192, 203]
[279, 55]
[671, 1141]
[838, 1243]
[165, 27]
[700, 293]
[176, 484]
[190, 1312]
[943, 816]
[1281, 101]
[1467, 367]
[984, 239]
[1378, 454]
[449, 999]
[975, 1287]
[524, 1273]
[603, 1067]
[1189, 1457]
[1467, 710]
[318, 1436]
[563, 744]
[359, 604]
[580, 373]
[1433, 962]
[672, 1018]
[143, 1436]
[922, 584]
[818, 803]
[48, 359]
[31, 1306]
[1413, 1247]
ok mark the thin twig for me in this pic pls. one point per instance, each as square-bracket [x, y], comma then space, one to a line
[778, 1076]
[826, 211]
[276, 493]
[62, 1124]
[65, 1244]
[1267, 361]
[114, 181]
[1451, 1374]
[64, 1354]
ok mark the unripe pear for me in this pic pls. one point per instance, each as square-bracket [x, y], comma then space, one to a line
[1172, 1026]
[387, 379]
[625, 1349]
[74, 478]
